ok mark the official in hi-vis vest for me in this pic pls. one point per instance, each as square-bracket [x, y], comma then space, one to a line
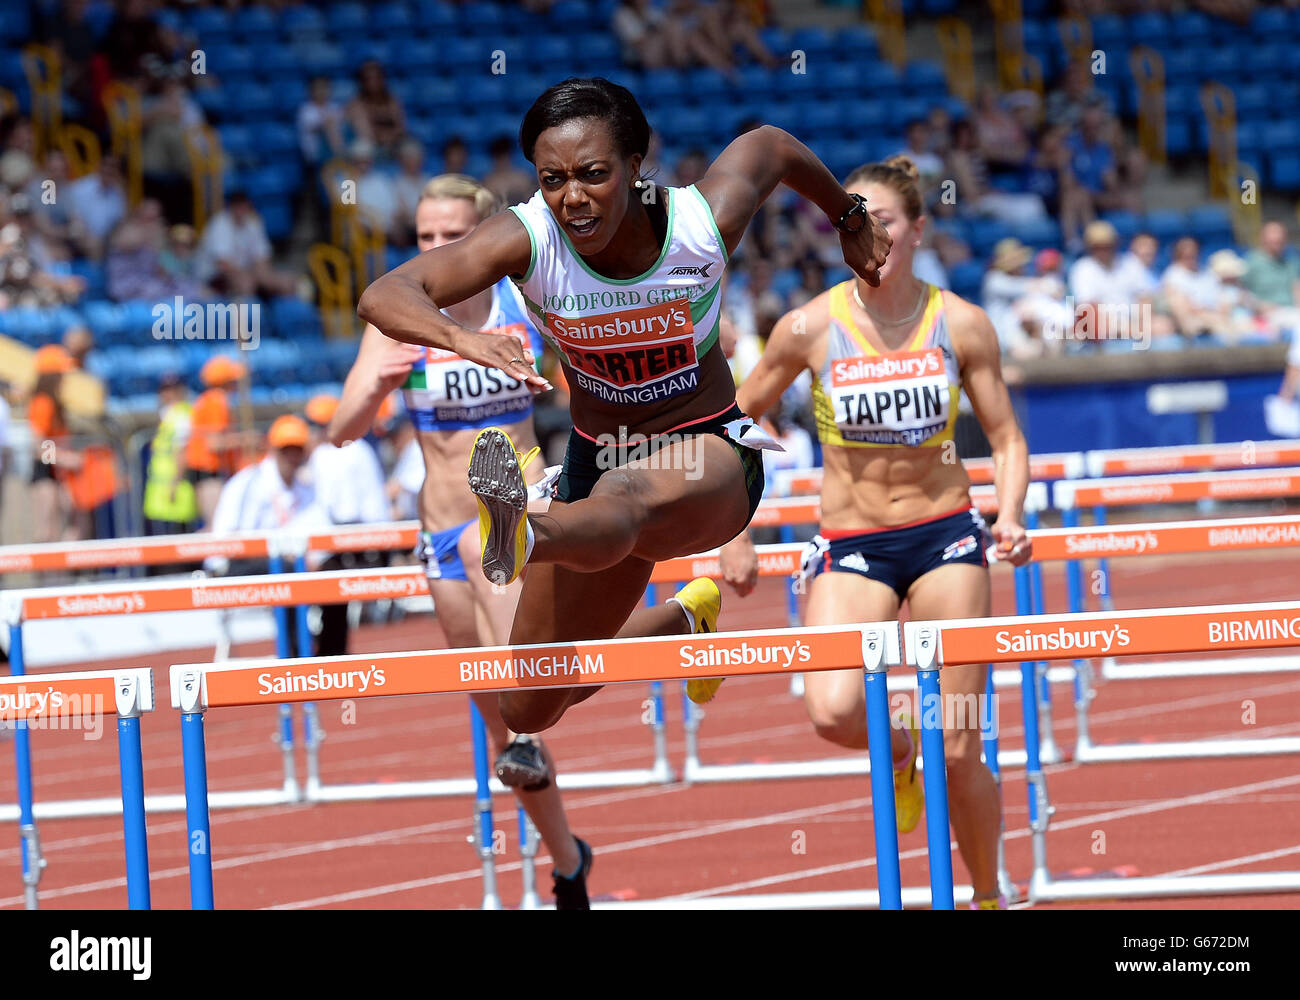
[170, 504]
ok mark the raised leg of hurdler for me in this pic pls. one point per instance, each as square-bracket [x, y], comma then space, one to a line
[684, 503]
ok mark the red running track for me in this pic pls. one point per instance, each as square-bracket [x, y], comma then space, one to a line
[692, 842]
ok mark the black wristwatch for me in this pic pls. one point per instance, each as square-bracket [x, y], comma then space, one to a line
[855, 219]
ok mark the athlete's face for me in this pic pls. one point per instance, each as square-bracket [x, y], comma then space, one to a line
[886, 205]
[439, 221]
[585, 182]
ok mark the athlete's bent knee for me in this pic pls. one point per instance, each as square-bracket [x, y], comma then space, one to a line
[842, 728]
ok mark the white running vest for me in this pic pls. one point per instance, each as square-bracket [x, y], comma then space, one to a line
[629, 341]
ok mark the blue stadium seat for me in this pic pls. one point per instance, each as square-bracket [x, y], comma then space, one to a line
[1180, 137]
[436, 15]
[1192, 27]
[321, 59]
[755, 81]
[1209, 223]
[924, 79]
[857, 42]
[392, 19]
[1284, 169]
[413, 56]
[1279, 135]
[366, 49]
[1221, 63]
[984, 235]
[275, 61]
[840, 80]
[544, 54]
[289, 94]
[232, 62]
[212, 25]
[1165, 225]
[1151, 28]
[1110, 32]
[816, 43]
[237, 141]
[1181, 66]
[1045, 232]
[1268, 24]
[303, 24]
[16, 25]
[294, 319]
[880, 78]
[966, 279]
[1126, 224]
[254, 24]
[250, 102]
[347, 21]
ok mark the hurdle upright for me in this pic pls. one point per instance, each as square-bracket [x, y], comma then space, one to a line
[198, 688]
[53, 701]
[784, 560]
[1129, 633]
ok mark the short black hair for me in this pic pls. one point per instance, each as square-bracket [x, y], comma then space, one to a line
[588, 97]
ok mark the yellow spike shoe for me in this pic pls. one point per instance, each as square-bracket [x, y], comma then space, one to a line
[703, 600]
[909, 794]
[496, 477]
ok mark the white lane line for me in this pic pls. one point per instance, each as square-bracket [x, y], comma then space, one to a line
[1018, 834]
[344, 843]
[728, 826]
[1245, 859]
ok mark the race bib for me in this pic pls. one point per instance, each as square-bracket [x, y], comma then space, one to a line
[631, 357]
[453, 390]
[901, 399]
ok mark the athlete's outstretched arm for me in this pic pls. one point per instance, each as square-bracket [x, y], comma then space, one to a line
[405, 303]
[748, 171]
[977, 348]
[381, 366]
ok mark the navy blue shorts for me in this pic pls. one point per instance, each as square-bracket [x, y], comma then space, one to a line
[898, 557]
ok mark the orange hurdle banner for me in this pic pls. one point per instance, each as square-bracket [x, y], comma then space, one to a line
[807, 510]
[1133, 490]
[53, 696]
[500, 668]
[280, 590]
[1166, 538]
[174, 549]
[1114, 633]
[1239, 534]
[1063, 465]
[1242, 454]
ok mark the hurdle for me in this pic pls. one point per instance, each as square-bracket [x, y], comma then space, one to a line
[1101, 494]
[1146, 632]
[1170, 538]
[1046, 467]
[279, 592]
[198, 688]
[53, 701]
[784, 561]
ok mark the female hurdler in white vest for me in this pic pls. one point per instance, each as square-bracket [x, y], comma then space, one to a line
[622, 277]
[889, 364]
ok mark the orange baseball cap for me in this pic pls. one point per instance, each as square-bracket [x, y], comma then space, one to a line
[221, 370]
[320, 409]
[288, 431]
[384, 415]
[52, 359]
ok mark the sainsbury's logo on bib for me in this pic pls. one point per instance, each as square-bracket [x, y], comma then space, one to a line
[634, 356]
[909, 364]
